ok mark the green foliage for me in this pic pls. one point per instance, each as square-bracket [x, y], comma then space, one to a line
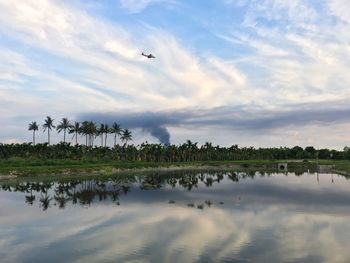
[187, 152]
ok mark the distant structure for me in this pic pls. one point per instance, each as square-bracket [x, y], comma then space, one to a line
[148, 56]
[282, 166]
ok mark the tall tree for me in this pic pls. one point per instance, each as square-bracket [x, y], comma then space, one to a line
[89, 130]
[33, 126]
[126, 136]
[100, 131]
[92, 131]
[116, 130]
[106, 131]
[76, 129]
[48, 125]
[64, 125]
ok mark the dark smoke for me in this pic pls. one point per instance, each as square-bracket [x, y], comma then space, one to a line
[153, 122]
[237, 118]
[161, 134]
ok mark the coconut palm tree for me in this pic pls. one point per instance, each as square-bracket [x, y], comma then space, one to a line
[89, 130]
[76, 129]
[48, 125]
[92, 131]
[84, 131]
[64, 125]
[100, 131]
[106, 131]
[33, 126]
[117, 130]
[126, 136]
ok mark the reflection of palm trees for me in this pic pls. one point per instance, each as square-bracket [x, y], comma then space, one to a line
[172, 182]
[152, 181]
[115, 193]
[102, 194]
[61, 200]
[72, 193]
[88, 193]
[233, 176]
[20, 188]
[45, 201]
[30, 199]
[85, 192]
[82, 191]
[208, 181]
[6, 187]
[61, 196]
[125, 189]
[219, 177]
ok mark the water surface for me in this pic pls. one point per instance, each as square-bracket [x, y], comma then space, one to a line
[178, 217]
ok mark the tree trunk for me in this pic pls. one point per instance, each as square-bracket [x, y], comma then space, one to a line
[106, 140]
[76, 138]
[115, 139]
[48, 135]
[33, 137]
[64, 136]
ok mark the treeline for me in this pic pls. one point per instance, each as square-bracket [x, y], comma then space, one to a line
[186, 152]
[88, 129]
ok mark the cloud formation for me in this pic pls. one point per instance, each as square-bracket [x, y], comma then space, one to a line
[254, 120]
[70, 59]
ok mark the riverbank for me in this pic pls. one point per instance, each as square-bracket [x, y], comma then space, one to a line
[18, 167]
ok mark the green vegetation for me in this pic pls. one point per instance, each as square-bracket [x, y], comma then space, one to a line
[30, 158]
[29, 167]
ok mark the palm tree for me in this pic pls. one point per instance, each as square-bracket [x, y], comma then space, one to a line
[106, 131]
[76, 129]
[89, 129]
[100, 132]
[48, 125]
[33, 126]
[64, 126]
[117, 130]
[126, 136]
[84, 131]
[92, 131]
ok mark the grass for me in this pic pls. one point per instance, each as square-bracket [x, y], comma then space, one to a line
[32, 167]
[29, 167]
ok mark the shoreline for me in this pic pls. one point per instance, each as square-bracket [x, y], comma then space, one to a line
[110, 169]
[24, 169]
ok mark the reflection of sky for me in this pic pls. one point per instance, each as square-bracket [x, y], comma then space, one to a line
[269, 219]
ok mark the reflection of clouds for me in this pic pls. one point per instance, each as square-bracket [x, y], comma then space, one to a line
[260, 228]
[180, 234]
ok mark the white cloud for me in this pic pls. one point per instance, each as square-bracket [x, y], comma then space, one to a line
[85, 63]
[340, 9]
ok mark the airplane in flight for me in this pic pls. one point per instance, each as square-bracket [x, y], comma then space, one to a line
[148, 56]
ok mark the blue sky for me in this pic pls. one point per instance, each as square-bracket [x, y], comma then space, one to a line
[258, 72]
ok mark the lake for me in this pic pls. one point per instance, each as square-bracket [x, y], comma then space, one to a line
[186, 216]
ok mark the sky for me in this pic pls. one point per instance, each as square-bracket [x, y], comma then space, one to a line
[257, 73]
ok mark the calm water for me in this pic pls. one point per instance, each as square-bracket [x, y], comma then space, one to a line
[183, 217]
